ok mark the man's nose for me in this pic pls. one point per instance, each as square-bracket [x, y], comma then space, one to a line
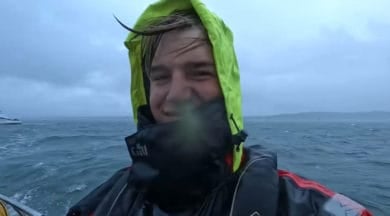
[180, 89]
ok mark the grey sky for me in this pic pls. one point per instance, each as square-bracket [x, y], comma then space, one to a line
[67, 58]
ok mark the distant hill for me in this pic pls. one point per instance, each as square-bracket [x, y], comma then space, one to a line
[329, 116]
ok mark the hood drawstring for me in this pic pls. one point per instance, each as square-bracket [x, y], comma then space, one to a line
[241, 135]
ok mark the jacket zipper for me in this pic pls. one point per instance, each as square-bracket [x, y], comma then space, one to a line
[239, 180]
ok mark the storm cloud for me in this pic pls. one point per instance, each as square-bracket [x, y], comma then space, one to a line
[68, 59]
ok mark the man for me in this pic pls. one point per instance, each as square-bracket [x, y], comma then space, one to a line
[188, 156]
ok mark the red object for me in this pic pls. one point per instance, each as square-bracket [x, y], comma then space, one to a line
[304, 183]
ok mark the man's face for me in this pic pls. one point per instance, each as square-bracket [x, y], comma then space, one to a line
[182, 75]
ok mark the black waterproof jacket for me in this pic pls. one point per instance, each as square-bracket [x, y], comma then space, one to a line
[258, 189]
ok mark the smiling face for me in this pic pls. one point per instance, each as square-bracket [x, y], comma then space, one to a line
[182, 74]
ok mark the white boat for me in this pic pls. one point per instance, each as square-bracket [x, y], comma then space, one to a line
[6, 120]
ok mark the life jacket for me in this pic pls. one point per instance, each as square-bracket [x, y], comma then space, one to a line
[259, 189]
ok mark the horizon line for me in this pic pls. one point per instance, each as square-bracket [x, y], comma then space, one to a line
[255, 115]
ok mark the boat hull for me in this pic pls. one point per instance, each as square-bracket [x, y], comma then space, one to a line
[10, 122]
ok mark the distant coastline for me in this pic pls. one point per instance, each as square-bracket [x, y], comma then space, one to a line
[374, 116]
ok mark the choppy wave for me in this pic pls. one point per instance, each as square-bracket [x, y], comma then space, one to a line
[53, 139]
[76, 188]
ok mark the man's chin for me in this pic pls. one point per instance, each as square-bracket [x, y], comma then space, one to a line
[167, 119]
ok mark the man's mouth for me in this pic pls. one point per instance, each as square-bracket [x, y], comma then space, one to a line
[171, 115]
[179, 111]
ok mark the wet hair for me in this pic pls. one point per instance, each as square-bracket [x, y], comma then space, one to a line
[152, 33]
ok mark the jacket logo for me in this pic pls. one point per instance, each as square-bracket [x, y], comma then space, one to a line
[139, 150]
[255, 213]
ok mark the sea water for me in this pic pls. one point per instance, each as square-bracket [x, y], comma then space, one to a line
[50, 164]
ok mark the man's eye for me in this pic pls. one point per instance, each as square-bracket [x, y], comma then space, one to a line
[162, 77]
[202, 74]
[159, 77]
